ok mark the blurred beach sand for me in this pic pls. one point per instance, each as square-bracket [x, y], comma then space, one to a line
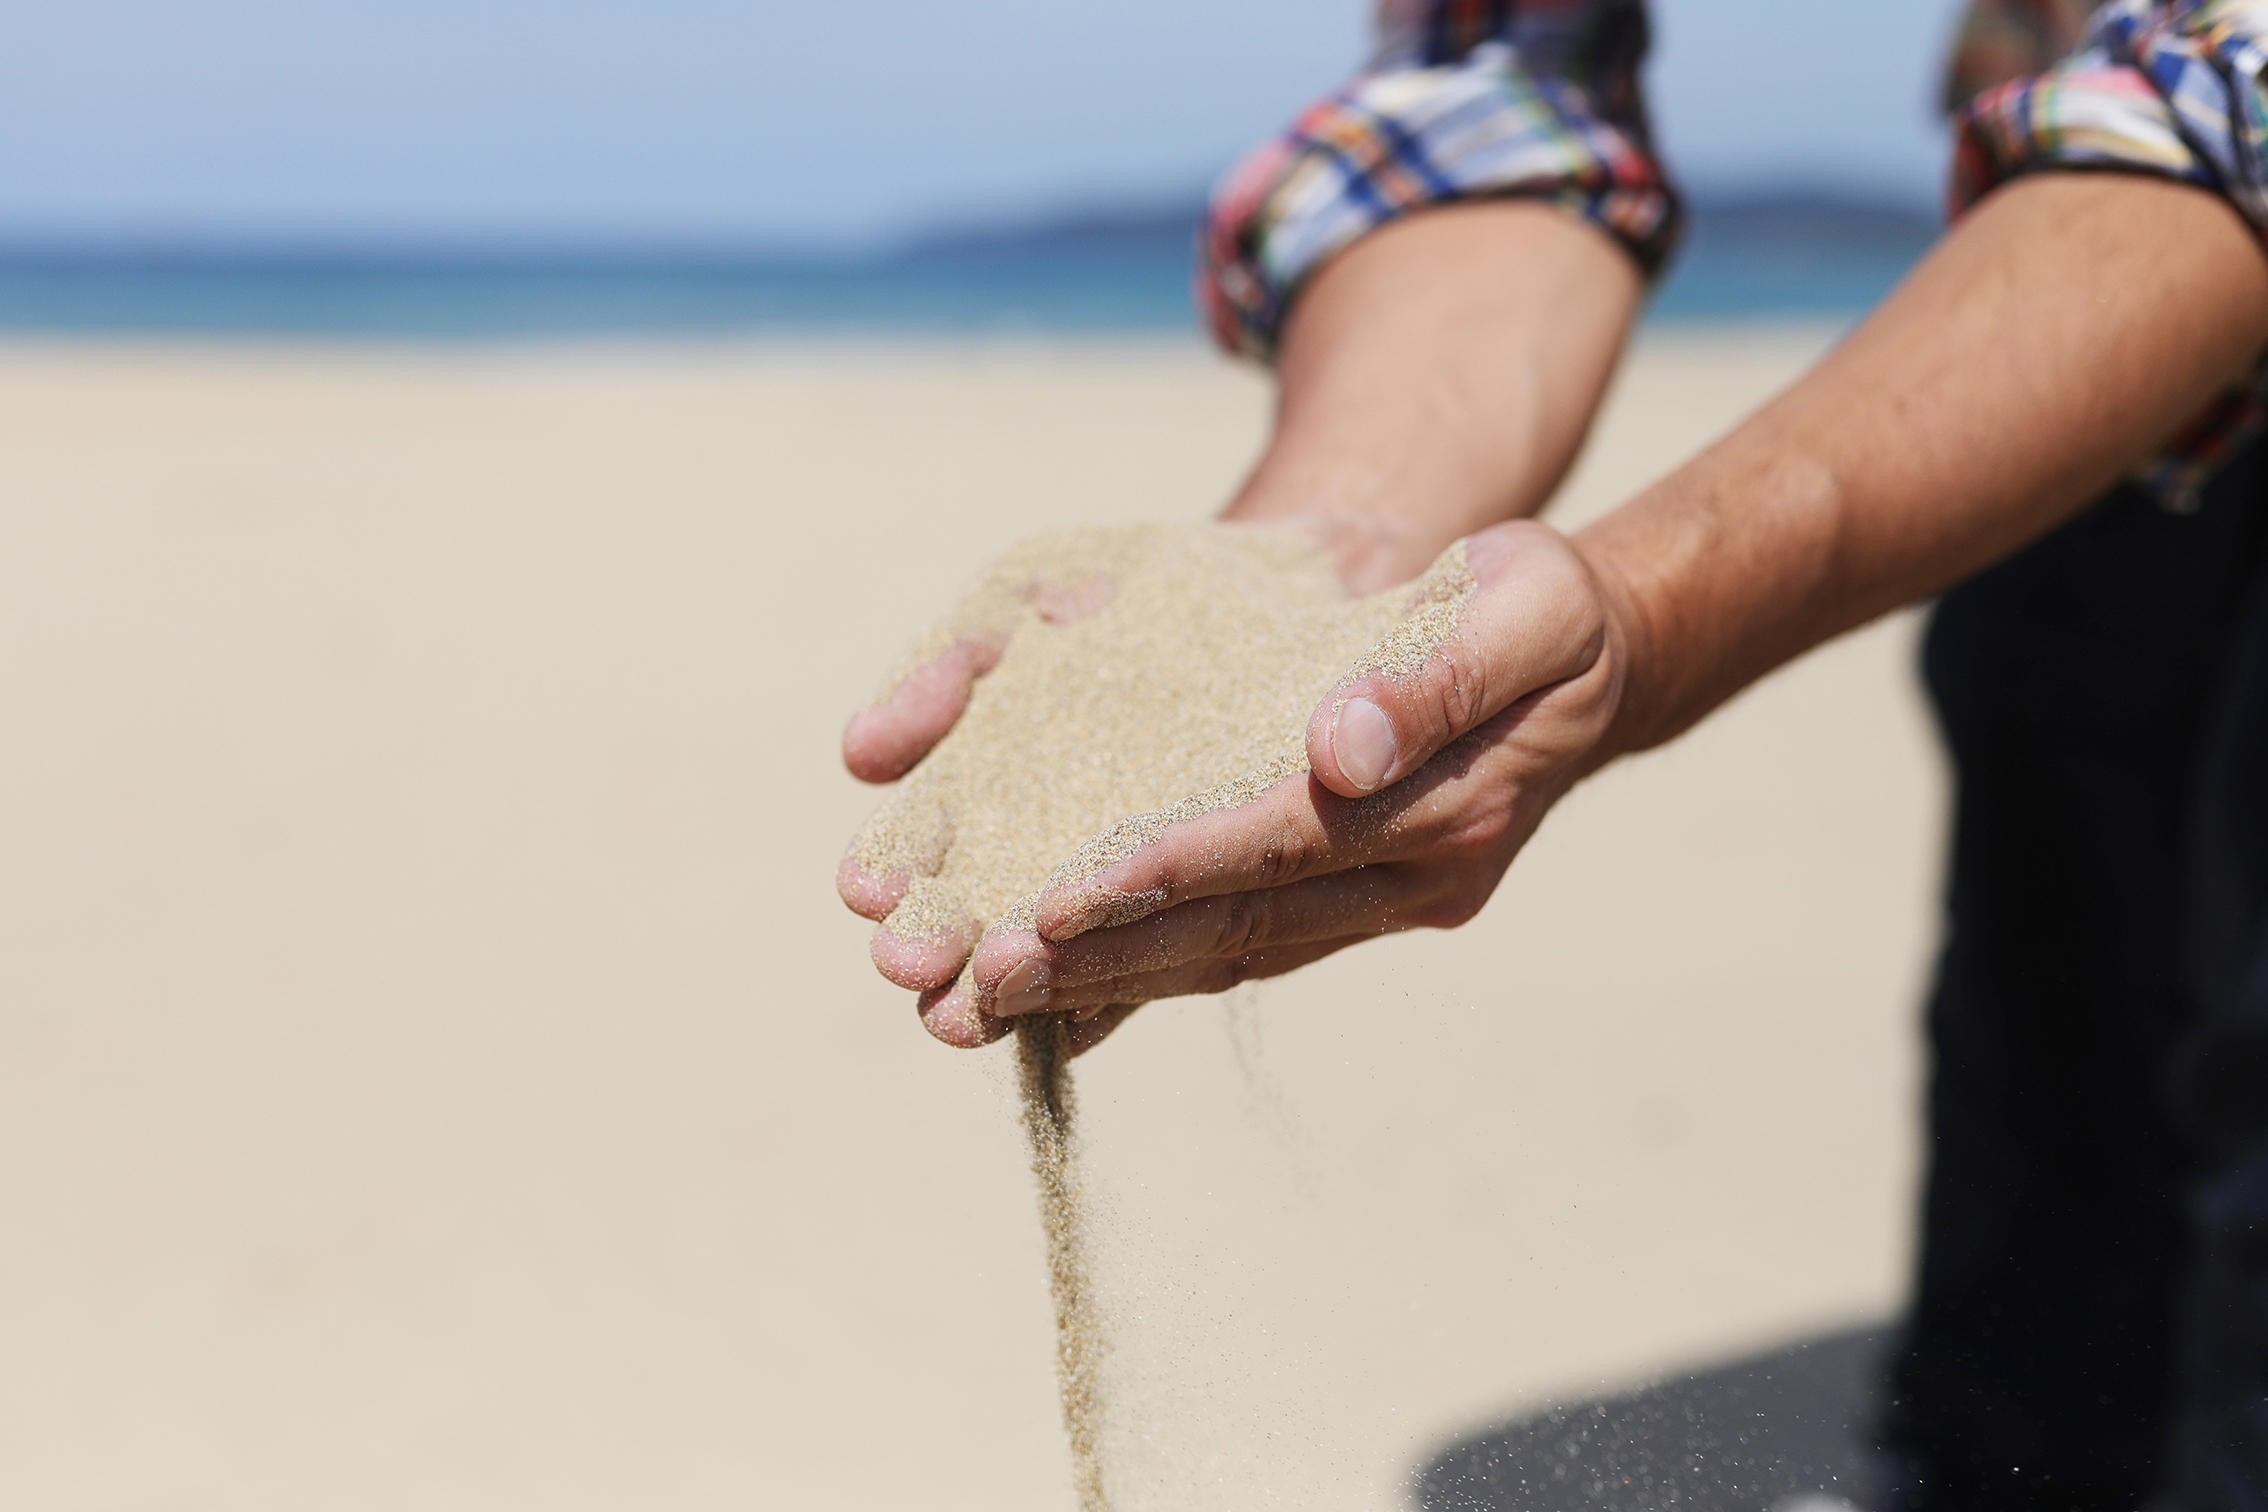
[435, 1071]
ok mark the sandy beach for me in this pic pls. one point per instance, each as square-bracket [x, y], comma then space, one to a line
[435, 1071]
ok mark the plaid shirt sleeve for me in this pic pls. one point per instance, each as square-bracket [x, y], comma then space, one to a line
[2001, 40]
[2171, 88]
[1463, 99]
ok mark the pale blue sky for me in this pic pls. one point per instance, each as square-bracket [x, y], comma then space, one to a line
[675, 119]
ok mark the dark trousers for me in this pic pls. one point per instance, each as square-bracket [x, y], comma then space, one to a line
[2090, 1325]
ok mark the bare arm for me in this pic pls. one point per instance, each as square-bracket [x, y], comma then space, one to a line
[1438, 377]
[2057, 336]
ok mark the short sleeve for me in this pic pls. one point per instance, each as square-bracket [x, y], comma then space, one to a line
[2172, 90]
[2001, 40]
[2167, 89]
[1461, 101]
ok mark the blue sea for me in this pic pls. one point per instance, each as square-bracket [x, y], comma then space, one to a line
[1773, 259]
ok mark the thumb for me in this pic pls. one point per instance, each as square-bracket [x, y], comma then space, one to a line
[1531, 620]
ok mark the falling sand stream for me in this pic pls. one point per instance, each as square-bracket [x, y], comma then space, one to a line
[1180, 683]
[1043, 1067]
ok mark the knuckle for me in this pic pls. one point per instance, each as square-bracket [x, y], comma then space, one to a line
[1461, 691]
[1451, 911]
[1238, 926]
[1284, 858]
[1225, 976]
[1273, 865]
[1461, 910]
[1455, 841]
[1489, 842]
[1482, 832]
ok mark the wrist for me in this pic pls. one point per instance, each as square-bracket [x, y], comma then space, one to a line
[1716, 575]
[1628, 642]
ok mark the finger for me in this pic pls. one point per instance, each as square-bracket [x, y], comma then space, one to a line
[1294, 830]
[1463, 805]
[870, 895]
[926, 939]
[906, 839]
[1530, 621]
[1018, 971]
[883, 743]
[949, 1015]
[1201, 978]
[924, 961]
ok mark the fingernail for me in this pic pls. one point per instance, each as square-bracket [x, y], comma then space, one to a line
[1027, 989]
[1362, 740]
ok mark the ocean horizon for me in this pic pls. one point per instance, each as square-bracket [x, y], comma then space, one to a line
[1788, 257]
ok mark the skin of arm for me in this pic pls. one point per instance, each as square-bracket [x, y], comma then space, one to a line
[1438, 377]
[2067, 327]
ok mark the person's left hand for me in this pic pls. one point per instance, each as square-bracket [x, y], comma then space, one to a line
[1423, 789]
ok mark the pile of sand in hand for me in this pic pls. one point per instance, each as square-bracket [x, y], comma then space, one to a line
[1187, 690]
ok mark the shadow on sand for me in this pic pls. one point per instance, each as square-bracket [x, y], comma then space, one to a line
[1736, 1438]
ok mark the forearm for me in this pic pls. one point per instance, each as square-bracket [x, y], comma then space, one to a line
[1438, 377]
[2070, 325]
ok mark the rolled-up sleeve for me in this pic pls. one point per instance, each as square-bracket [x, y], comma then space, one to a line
[2173, 90]
[1461, 101]
[2167, 89]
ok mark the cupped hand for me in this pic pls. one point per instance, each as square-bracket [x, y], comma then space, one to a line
[926, 699]
[886, 741]
[1424, 786]
[1092, 677]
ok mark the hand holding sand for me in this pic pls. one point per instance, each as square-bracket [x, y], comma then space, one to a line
[1093, 677]
[1227, 768]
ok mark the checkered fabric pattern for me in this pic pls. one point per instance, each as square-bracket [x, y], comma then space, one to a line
[1463, 99]
[1539, 99]
[2001, 40]
[2169, 89]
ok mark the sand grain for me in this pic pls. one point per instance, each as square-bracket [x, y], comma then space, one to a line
[1187, 691]
[1150, 674]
